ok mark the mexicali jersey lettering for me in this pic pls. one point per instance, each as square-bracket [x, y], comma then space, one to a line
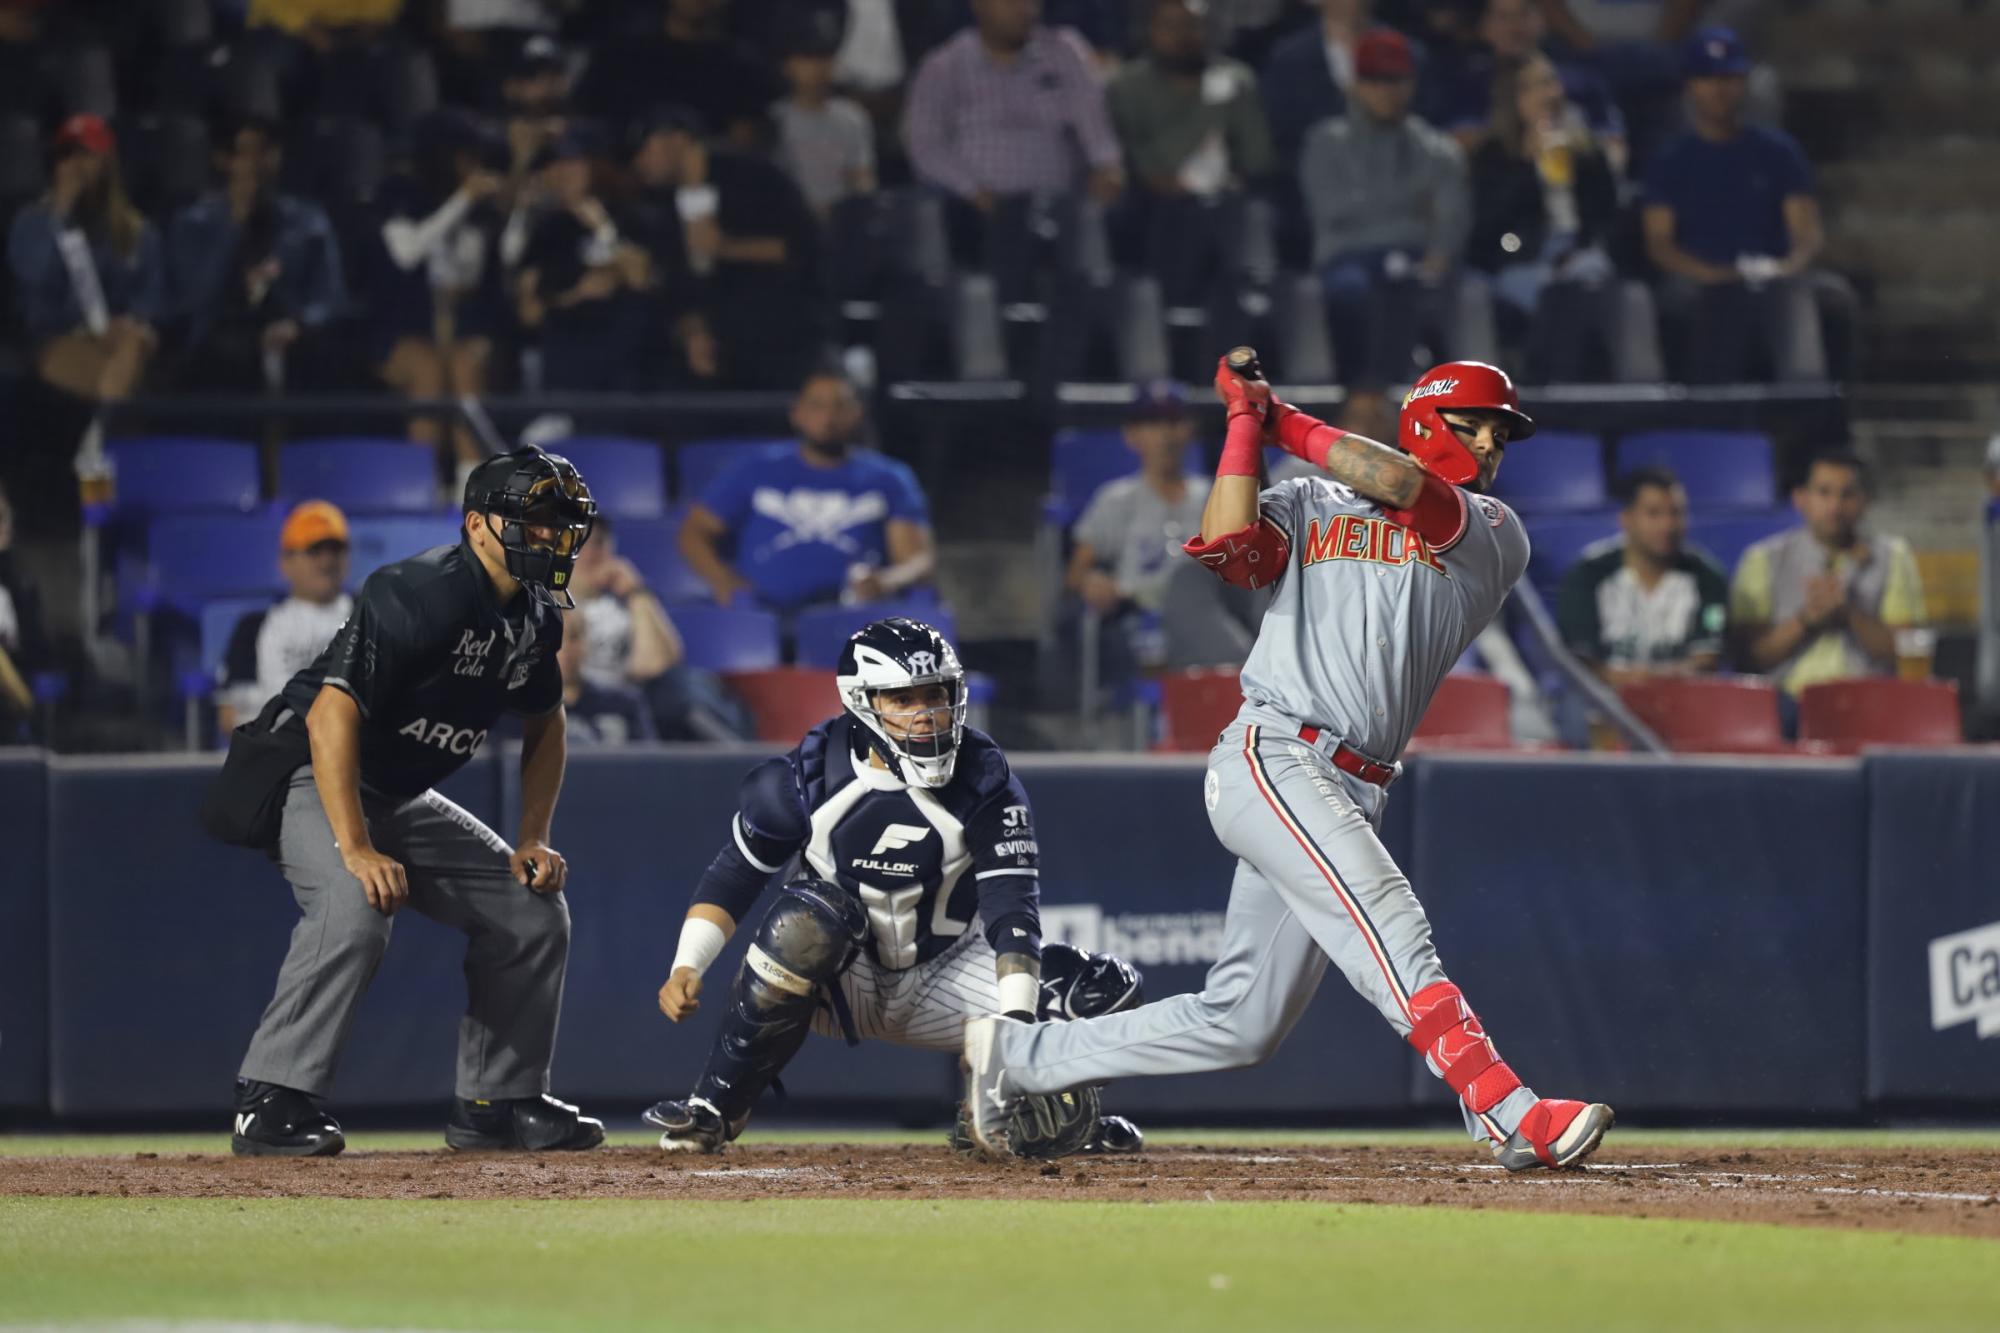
[1368, 616]
[1360, 537]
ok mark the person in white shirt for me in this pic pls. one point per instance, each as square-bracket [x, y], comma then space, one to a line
[269, 647]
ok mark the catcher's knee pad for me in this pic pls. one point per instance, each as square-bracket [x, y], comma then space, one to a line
[1076, 984]
[808, 938]
[1449, 1036]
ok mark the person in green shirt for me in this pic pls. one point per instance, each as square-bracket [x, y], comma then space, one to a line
[1645, 603]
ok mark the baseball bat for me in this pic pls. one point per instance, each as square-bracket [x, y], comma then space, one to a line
[1243, 363]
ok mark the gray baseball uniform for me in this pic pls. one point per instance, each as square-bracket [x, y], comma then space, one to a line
[1366, 620]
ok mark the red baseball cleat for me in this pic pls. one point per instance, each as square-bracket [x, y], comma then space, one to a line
[1554, 1134]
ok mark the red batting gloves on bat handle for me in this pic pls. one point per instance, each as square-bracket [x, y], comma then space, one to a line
[1243, 398]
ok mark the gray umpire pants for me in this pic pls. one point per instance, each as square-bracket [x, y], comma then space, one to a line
[516, 952]
[1313, 884]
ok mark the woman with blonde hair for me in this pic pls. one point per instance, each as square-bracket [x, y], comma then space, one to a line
[1545, 198]
[88, 270]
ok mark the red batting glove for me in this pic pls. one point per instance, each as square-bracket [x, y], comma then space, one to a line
[1243, 398]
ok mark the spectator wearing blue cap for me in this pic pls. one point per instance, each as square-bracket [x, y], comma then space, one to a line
[580, 282]
[1732, 222]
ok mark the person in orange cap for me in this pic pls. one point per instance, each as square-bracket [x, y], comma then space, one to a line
[88, 274]
[268, 647]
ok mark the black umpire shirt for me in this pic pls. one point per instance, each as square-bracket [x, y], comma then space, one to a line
[432, 659]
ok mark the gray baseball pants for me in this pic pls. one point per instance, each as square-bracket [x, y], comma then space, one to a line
[1313, 883]
[516, 952]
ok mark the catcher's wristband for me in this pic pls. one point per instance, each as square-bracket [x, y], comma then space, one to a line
[1018, 993]
[1242, 447]
[701, 941]
[1306, 437]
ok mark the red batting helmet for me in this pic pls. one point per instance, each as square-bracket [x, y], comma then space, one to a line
[1463, 386]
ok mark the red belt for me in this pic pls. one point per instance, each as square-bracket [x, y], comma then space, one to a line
[1350, 760]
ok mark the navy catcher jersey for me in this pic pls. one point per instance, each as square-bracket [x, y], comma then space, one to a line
[924, 862]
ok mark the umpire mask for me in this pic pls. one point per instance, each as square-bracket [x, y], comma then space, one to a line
[527, 490]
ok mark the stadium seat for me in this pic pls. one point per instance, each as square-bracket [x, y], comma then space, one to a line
[1710, 714]
[361, 475]
[338, 158]
[1197, 704]
[786, 702]
[174, 163]
[1720, 469]
[1849, 714]
[176, 474]
[21, 168]
[627, 477]
[822, 634]
[1080, 461]
[724, 638]
[1728, 536]
[218, 623]
[699, 462]
[89, 81]
[1471, 710]
[193, 559]
[383, 539]
[1555, 472]
[653, 547]
[1558, 542]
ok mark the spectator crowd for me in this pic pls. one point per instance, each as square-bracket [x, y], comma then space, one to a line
[441, 199]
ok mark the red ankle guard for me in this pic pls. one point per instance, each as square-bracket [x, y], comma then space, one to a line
[1448, 1034]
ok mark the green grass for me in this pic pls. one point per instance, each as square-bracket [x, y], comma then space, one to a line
[890, 1267]
[94, 1145]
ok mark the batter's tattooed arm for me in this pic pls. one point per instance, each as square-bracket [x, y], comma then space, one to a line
[1374, 470]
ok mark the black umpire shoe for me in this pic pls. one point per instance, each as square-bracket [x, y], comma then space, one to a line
[273, 1121]
[1115, 1136]
[520, 1124]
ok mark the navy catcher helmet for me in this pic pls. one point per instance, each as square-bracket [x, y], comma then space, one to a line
[897, 654]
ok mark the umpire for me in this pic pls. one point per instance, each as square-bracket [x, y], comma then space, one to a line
[335, 780]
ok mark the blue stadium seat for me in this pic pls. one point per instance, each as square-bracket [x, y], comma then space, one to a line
[218, 623]
[1079, 462]
[1555, 472]
[821, 634]
[1721, 469]
[698, 462]
[1558, 542]
[384, 539]
[627, 477]
[193, 559]
[361, 475]
[180, 475]
[723, 638]
[653, 547]
[1728, 536]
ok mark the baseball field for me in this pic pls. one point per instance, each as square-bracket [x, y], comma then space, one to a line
[890, 1232]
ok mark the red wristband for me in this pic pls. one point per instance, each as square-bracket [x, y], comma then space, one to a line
[1307, 437]
[1241, 447]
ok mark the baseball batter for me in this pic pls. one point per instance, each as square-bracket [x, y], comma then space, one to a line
[1383, 570]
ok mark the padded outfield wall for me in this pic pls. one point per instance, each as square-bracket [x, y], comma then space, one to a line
[1678, 937]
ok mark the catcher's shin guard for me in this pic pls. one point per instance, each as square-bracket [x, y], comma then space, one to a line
[1449, 1037]
[807, 939]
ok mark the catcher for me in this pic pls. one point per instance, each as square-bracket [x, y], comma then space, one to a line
[910, 904]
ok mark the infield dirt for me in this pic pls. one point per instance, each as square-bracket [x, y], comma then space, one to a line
[1943, 1192]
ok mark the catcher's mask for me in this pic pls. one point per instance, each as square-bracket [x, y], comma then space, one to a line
[528, 489]
[896, 654]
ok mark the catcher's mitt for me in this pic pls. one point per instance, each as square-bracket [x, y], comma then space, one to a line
[1045, 1126]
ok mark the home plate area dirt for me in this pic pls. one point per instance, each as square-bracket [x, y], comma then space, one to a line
[1929, 1190]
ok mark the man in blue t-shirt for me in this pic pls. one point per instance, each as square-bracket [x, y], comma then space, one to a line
[815, 521]
[1732, 223]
